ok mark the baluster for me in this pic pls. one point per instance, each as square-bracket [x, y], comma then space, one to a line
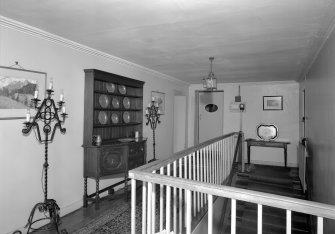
[190, 167]
[198, 178]
[216, 165]
[212, 164]
[180, 197]
[210, 213]
[144, 207]
[133, 205]
[233, 216]
[188, 212]
[225, 158]
[161, 202]
[175, 199]
[259, 219]
[201, 175]
[149, 219]
[168, 203]
[320, 225]
[221, 161]
[209, 164]
[229, 153]
[185, 177]
[206, 172]
[194, 193]
[153, 212]
[288, 221]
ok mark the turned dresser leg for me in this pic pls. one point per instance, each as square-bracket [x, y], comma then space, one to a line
[85, 193]
[97, 193]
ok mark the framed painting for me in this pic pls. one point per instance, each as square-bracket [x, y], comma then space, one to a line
[160, 99]
[272, 102]
[17, 87]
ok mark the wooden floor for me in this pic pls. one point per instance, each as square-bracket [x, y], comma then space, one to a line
[79, 218]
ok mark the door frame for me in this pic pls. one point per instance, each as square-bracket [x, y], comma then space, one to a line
[196, 119]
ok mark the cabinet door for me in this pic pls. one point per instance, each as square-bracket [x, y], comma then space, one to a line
[112, 160]
[136, 155]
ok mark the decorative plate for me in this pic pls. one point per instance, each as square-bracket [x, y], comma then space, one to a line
[103, 101]
[115, 118]
[126, 139]
[115, 103]
[126, 103]
[110, 87]
[267, 132]
[122, 89]
[102, 117]
[126, 117]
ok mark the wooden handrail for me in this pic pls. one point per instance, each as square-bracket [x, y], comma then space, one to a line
[287, 203]
[155, 165]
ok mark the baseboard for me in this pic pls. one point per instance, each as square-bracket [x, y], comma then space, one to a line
[272, 163]
[71, 208]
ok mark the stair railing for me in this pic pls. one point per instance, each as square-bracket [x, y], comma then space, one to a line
[193, 177]
[210, 162]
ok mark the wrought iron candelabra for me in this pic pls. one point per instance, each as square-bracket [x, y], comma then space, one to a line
[50, 117]
[152, 114]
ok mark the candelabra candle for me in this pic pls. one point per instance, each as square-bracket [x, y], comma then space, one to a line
[61, 97]
[36, 94]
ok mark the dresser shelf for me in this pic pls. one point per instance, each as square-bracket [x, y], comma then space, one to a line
[111, 98]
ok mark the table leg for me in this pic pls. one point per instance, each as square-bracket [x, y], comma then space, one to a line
[285, 155]
[248, 153]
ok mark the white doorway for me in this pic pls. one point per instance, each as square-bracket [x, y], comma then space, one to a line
[209, 115]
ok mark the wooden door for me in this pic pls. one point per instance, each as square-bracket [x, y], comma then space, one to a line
[210, 115]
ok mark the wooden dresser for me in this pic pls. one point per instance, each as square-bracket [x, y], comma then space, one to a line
[113, 110]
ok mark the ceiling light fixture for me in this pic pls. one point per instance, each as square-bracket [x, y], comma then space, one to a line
[210, 81]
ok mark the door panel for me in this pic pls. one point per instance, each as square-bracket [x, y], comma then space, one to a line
[210, 115]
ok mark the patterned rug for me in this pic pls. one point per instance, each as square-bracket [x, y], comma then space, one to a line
[116, 220]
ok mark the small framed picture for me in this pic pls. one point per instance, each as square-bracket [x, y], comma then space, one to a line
[160, 99]
[17, 87]
[272, 102]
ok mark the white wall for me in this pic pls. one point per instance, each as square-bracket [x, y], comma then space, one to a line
[287, 120]
[22, 157]
[320, 124]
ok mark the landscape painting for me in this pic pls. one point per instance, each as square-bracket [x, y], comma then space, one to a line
[17, 87]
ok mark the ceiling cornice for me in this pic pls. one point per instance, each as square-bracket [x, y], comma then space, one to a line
[36, 32]
[324, 37]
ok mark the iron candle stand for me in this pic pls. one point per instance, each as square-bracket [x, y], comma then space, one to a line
[152, 114]
[51, 117]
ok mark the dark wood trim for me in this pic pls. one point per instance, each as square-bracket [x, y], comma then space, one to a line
[118, 79]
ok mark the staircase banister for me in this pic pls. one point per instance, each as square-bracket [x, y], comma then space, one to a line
[156, 165]
[287, 203]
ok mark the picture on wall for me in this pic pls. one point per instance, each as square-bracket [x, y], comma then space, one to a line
[17, 87]
[160, 99]
[272, 102]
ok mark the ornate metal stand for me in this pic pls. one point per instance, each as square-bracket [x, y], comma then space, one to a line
[49, 116]
[152, 114]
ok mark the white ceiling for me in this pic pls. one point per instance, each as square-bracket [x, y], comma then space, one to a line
[251, 40]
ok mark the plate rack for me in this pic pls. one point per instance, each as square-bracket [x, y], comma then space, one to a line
[108, 95]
